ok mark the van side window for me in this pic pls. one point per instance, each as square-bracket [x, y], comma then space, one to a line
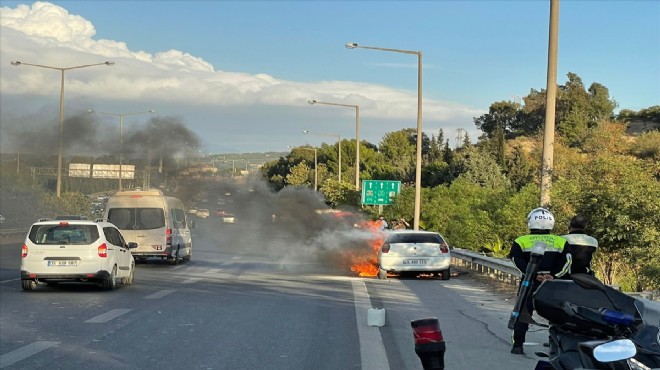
[179, 217]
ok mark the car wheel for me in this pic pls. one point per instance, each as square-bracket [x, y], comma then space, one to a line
[111, 282]
[446, 274]
[28, 284]
[130, 278]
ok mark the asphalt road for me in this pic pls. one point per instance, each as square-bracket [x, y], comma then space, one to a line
[250, 301]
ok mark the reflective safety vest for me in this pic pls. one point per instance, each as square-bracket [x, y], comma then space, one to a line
[553, 243]
[555, 258]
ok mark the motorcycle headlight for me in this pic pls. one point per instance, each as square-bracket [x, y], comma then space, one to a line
[636, 365]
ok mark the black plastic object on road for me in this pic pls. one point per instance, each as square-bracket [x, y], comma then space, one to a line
[526, 284]
[429, 343]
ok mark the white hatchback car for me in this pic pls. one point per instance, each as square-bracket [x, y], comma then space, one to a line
[409, 251]
[76, 250]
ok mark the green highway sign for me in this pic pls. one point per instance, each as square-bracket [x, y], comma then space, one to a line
[379, 192]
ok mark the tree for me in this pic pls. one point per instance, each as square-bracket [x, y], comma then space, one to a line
[520, 171]
[399, 148]
[447, 154]
[435, 147]
[299, 175]
[476, 166]
[340, 194]
[502, 117]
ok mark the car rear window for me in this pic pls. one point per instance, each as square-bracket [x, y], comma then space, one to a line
[63, 234]
[415, 238]
[137, 218]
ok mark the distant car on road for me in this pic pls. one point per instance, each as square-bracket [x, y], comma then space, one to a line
[76, 251]
[414, 252]
[203, 213]
[2, 219]
[192, 211]
[228, 218]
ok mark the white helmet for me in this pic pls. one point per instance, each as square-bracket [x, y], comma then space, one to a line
[540, 219]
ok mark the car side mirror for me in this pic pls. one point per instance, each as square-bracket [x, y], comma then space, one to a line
[132, 245]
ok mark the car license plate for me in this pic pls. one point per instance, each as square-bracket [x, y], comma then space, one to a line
[63, 263]
[416, 262]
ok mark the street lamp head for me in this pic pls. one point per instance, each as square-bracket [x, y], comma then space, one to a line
[311, 101]
[90, 110]
[109, 63]
[152, 111]
[351, 45]
[306, 132]
[15, 63]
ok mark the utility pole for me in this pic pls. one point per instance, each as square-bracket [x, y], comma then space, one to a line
[550, 101]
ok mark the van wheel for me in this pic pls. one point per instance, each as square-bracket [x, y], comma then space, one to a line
[28, 284]
[188, 257]
[111, 282]
[446, 274]
[174, 260]
[382, 274]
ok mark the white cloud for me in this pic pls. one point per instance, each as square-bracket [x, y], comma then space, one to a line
[47, 34]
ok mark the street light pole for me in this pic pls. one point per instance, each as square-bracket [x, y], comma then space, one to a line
[357, 136]
[338, 140]
[418, 166]
[316, 168]
[61, 69]
[121, 135]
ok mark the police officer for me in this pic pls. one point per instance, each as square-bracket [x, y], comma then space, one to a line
[582, 246]
[555, 263]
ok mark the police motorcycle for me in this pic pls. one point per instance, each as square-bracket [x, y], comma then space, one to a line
[591, 325]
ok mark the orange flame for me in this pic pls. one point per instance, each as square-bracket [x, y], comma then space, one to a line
[366, 264]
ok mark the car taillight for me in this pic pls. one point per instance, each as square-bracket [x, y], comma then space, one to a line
[24, 251]
[444, 248]
[168, 237]
[385, 248]
[103, 250]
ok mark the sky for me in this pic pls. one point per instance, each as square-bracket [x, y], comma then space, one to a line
[239, 74]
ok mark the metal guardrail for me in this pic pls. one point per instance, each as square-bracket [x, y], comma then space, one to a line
[504, 270]
[12, 234]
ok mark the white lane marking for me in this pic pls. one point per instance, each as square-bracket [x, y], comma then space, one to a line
[213, 271]
[372, 349]
[191, 280]
[112, 314]
[160, 294]
[9, 281]
[24, 352]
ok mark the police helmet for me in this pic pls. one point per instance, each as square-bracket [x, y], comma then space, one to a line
[540, 219]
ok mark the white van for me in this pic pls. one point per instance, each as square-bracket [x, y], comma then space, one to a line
[157, 223]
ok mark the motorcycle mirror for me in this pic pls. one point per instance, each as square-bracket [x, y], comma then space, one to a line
[616, 350]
